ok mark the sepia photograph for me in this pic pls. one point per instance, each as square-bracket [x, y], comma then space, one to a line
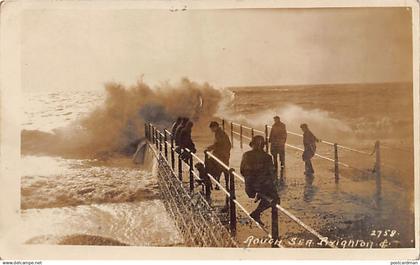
[186, 126]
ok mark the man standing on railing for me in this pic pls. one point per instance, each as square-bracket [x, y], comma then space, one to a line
[258, 170]
[220, 149]
[309, 143]
[277, 139]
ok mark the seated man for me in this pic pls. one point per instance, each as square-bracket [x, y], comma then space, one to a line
[258, 169]
[204, 179]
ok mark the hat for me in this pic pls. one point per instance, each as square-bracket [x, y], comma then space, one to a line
[304, 126]
[257, 140]
[214, 124]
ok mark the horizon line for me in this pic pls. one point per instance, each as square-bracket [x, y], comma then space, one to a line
[320, 84]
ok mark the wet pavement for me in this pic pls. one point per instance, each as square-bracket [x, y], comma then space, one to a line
[348, 212]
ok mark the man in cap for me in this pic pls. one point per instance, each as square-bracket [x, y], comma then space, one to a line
[258, 170]
[220, 149]
[277, 139]
[309, 143]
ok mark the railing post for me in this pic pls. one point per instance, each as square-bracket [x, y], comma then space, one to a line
[208, 188]
[275, 222]
[190, 162]
[145, 131]
[232, 205]
[252, 133]
[166, 144]
[172, 153]
[223, 124]
[180, 165]
[240, 134]
[151, 133]
[378, 169]
[156, 139]
[336, 170]
[231, 133]
[160, 142]
[266, 138]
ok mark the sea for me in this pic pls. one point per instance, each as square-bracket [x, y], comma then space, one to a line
[80, 186]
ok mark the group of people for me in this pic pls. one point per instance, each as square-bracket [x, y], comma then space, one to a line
[258, 167]
[277, 140]
[181, 132]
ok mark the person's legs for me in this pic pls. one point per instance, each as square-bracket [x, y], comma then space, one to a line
[225, 160]
[226, 174]
[217, 174]
[214, 170]
[185, 156]
[222, 169]
[276, 164]
[227, 187]
[311, 167]
[262, 206]
[282, 154]
[309, 170]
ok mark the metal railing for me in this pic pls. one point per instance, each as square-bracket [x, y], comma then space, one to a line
[195, 218]
[157, 138]
[240, 133]
[161, 143]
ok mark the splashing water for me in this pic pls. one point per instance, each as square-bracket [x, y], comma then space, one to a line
[119, 122]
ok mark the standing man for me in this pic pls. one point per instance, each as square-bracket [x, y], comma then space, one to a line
[220, 149]
[258, 169]
[277, 139]
[309, 143]
[186, 141]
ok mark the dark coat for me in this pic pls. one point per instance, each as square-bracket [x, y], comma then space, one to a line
[258, 169]
[177, 136]
[309, 143]
[174, 127]
[221, 146]
[185, 140]
[278, 136]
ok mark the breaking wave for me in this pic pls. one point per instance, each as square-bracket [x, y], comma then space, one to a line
[321, 122]
[116, 125]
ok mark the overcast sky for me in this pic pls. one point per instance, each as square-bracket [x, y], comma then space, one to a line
[82, 49]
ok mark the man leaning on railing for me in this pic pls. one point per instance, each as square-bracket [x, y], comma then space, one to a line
[220, 149]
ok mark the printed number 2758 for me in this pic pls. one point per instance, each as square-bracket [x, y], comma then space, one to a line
[383, 233]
